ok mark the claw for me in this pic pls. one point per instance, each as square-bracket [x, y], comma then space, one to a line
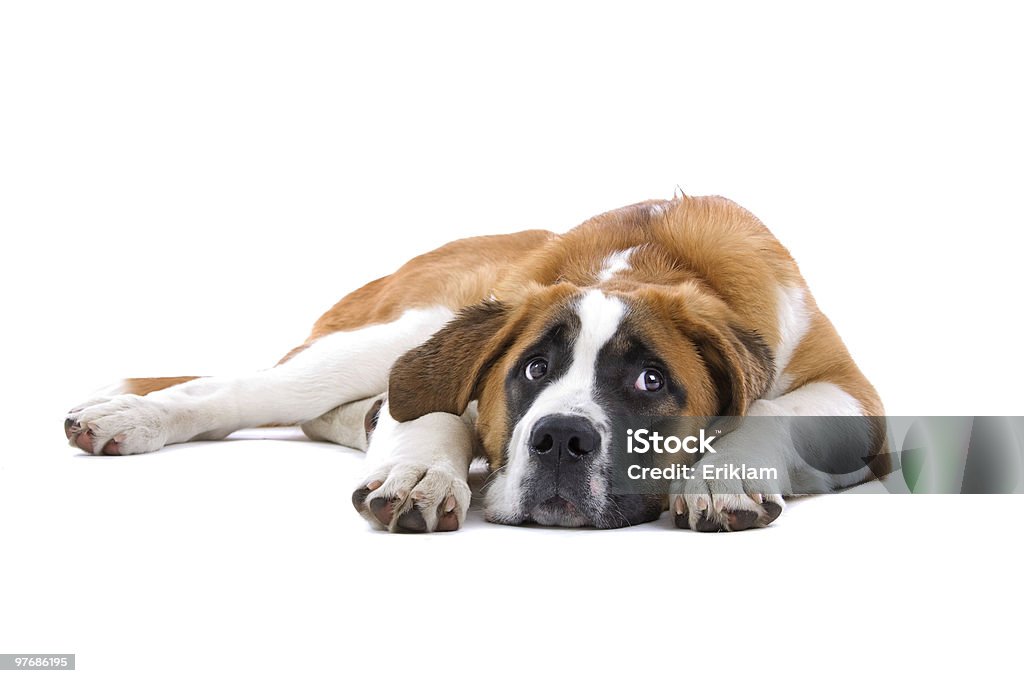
[742, 519]
[412, 520]
[383, 509]
[705, 524]
[359, 497]
[84, 440]
[772, 510]
[682, 515]
[448, 522]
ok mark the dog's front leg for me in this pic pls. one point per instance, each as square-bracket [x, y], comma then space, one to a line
[741, 485]
[417, 473]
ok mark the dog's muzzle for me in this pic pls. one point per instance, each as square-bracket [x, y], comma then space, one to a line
[563, 449]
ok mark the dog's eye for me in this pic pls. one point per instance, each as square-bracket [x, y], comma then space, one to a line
[536, 368]
[649, 380]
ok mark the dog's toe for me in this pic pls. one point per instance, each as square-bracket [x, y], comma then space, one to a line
[412, 520]
[83, 440]
[383, 509]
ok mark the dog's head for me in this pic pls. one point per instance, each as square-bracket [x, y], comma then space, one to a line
[552, 368]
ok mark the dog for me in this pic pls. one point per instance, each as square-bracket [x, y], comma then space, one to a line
[519, 348]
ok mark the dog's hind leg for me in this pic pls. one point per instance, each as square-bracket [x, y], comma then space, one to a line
[349, 425]
[333, 370]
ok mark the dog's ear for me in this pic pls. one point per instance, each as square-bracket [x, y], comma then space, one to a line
[740, 363]
[442, 374]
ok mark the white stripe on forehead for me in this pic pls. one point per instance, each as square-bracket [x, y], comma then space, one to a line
[599, 316]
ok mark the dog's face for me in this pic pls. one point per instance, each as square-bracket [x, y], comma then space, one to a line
[552, 372]
[589, 360]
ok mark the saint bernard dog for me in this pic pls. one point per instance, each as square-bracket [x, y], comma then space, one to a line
[518, 348]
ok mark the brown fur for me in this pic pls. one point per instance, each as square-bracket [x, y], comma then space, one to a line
[147, 385]
[457, 275]
[454, 359]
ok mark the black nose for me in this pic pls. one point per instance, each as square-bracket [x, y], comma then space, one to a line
[569, 435]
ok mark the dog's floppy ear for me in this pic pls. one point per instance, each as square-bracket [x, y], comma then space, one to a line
[740, 363]
[442, 374]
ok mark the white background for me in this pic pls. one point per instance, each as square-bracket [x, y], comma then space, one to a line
[186, 186]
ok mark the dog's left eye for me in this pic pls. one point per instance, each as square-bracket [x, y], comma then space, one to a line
[649, 380]
[536, 368]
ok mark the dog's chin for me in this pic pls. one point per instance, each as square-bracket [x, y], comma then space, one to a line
[557, 511]
[617, 512]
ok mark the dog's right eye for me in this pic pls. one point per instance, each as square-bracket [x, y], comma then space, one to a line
[536, 368]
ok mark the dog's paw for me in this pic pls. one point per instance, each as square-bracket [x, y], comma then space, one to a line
[705, 504]
[725, 511]
[414, 497]
[120, 425]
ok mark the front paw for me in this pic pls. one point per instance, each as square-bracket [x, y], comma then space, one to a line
[707, 504]
[121, 425]
[414, 497]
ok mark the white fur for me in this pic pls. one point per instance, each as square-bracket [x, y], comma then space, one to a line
[793, 322]
[615, 263]
[572, 393]
[420, 462]
[336, 369]
[815, 398]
